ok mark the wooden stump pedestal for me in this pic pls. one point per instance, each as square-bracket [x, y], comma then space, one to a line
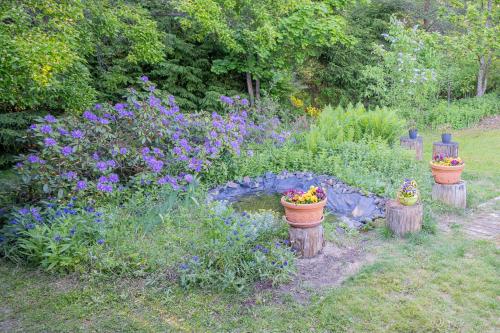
[446, 149]
[403, 219]
[451, 194]
[307, 242]
[413, 144]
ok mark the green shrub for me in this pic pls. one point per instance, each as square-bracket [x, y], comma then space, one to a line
[354, 123]
[238, 249]
[462, 113]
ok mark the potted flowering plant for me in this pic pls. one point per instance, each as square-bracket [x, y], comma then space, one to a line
[447, 170]
[408, 193]
[304, 209]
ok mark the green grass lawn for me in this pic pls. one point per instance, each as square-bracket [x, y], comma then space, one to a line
[427, 283]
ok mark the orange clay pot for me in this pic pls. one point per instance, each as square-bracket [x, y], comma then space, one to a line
[304, 216]
[447, 174]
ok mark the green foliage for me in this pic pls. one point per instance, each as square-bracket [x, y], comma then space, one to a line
[12, 130]
[237, 250]
[354, 123]
[459, 114]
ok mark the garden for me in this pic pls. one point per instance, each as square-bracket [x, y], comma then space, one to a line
[256, 166]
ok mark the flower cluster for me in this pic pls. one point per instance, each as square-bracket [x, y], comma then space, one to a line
[440, 159]
[312, 111]
[144, 140]
[408, 189]
[297, 102]
[313, 195]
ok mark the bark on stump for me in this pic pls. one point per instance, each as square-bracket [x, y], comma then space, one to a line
[307, 242]
[451, 194]
[446, 149]
[413, 144]
[403, 219]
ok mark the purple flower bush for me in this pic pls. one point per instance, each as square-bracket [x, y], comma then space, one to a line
[143, 140]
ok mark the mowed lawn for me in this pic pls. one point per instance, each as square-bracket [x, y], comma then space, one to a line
[438, 283]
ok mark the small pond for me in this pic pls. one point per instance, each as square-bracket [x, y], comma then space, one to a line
[349, 204]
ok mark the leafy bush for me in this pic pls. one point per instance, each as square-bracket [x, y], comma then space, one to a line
[144, 141]
[354, 123]
[462, 113]
[55, 238]
[238, 249]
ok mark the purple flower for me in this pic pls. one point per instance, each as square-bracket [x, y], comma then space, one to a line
[100, 241]
[19, 165]
[50, 118]
[104, 187]
[62, 131]
[144, 78]
[66, 150]
[57, 238]
[103, 179]
[95, 156]
[49, 142]
[244, 101]
[23, 211]
[77, 134]
[103, 121]
[188, 178]
[195, 164]
[33, 127]
[46, 129]
[81, 185]
[123, 150]
[101, 166]
[227, 100]
[98, 106]
[90, 116]
[33, 159]
[250, 153]
[111, 163]
[70, 175]
[113, 177]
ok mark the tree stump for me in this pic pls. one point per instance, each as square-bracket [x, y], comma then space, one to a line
[307, 242]
[451, 194]
[413, 144]
[446, 149]
[403, 219]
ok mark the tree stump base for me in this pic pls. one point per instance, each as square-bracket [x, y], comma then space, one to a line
[403, 219]
[451, 194]
[413, 144]
[307, 242]
[446, 149]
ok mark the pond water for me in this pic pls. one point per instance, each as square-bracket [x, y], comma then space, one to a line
[265, 201]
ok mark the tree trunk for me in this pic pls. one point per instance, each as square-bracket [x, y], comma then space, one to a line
[427, 6]
[257, 89]
[482, 76]
[250, 88]
[484, 61]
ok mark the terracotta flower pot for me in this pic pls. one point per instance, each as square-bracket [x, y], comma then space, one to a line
[447, 174]
[304, 216]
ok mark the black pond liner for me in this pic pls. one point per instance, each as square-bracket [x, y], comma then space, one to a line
[350, 204]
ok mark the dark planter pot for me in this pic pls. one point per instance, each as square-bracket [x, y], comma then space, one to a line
[413, 133]
[446, 137]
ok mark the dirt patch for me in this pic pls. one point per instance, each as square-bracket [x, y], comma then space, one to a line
[8, 324]
[333, 266]
[490, 122]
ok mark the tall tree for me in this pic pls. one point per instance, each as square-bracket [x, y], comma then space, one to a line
[261, 37]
